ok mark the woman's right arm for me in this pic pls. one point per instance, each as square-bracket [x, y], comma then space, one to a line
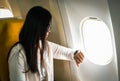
[16, 65]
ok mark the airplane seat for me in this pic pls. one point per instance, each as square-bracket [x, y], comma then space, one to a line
[9, 31]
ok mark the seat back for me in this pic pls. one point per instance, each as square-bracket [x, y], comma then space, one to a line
[9, 32]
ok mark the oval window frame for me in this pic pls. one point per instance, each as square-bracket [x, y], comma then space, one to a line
[93, 60]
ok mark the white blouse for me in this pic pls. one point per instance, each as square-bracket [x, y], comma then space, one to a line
[18, 64]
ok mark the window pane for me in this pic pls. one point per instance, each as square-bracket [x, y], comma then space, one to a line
[97, 41]
[4, 13]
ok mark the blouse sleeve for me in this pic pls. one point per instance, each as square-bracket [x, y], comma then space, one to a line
[61, 52]
[16, 66]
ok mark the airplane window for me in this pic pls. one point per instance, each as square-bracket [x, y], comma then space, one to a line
[97, 41]
[4, 13]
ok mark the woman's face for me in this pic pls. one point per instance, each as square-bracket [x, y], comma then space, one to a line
[48, 32]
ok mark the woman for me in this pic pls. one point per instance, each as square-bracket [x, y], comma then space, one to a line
[31, 58]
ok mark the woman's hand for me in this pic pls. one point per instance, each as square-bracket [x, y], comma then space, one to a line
[78, 56]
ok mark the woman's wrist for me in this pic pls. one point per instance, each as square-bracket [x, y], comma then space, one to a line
[75, 52]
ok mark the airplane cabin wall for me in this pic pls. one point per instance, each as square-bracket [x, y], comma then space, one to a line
[72, 13]
[114, 6]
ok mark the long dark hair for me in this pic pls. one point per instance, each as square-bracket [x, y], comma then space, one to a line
[34, 29]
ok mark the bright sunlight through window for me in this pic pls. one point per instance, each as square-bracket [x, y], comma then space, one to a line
[4, 13]
[97, 41]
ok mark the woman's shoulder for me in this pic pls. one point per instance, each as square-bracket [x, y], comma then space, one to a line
[51, 43]
[16, 47]
[16, 50]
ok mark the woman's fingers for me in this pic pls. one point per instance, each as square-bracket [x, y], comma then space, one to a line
[79, 57]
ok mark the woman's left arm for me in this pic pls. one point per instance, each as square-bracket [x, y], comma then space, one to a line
[64, 53]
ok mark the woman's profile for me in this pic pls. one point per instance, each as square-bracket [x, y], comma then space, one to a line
[31, 58]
